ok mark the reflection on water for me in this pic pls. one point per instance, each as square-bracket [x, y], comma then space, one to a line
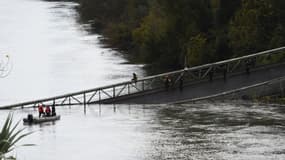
[52, 54]
[199, 131]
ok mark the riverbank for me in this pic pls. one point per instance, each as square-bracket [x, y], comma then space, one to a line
[271, 99]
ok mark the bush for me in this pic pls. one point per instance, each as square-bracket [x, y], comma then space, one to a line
[9, 136]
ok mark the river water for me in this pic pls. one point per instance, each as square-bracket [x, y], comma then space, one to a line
[53, 54]
[219, 131]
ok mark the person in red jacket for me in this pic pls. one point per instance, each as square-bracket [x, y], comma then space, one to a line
[41, 110]
[48, 111]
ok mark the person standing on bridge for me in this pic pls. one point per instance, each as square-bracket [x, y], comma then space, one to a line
[167, 82]
[135, 78]
[250, 63]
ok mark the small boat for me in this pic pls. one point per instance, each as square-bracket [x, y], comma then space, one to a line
[35, 120]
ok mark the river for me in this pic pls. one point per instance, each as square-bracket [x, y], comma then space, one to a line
[220, 131]
[52, 54]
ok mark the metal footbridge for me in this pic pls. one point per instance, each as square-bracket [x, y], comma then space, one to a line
[185, 85]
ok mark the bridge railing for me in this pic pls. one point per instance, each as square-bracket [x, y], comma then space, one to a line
[158, 82]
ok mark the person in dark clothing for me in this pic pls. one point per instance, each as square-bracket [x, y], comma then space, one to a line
[53, 113]
[167, 82]
[135, 78]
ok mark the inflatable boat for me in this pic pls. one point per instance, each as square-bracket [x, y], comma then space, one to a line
[35, 120]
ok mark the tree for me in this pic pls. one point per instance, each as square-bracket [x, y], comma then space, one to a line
[151, 33]
[163, 32]
[197, 50]
[252, 27]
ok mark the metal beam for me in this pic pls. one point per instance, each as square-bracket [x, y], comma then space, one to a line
[190, 71]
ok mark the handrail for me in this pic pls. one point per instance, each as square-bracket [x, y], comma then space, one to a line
[144, 79]
[220, 62]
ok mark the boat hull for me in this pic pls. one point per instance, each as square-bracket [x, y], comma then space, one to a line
[37, 120]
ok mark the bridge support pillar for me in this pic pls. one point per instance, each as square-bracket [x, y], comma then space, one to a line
[84, 99]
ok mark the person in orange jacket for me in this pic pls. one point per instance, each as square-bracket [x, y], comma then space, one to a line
[41, 110]
[48, 111]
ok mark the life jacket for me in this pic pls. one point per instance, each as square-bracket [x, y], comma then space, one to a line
[47, 109]
[41, 109]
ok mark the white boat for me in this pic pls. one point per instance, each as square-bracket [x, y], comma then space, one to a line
[34, 120]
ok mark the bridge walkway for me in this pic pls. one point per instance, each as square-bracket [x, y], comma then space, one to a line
[263, 66]
[207, 88]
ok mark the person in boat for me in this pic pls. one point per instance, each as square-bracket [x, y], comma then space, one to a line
[48, 111]
[41, 110]
[53, 113]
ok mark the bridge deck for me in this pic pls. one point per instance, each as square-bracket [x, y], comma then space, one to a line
[206, 88]
[268, 65]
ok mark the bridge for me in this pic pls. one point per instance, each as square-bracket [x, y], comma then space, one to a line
[227, 77]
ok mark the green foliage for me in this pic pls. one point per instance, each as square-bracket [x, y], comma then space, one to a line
[196, 49]
[120, 33]
[153, 28]
[151, 35]
[163, 32]
[253, 27]
[9, 136]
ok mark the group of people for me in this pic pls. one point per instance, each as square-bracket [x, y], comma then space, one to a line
[46, 111]
[249, 63]
[168, 82]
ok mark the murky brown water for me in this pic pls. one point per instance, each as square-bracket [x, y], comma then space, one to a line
[200, 131]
